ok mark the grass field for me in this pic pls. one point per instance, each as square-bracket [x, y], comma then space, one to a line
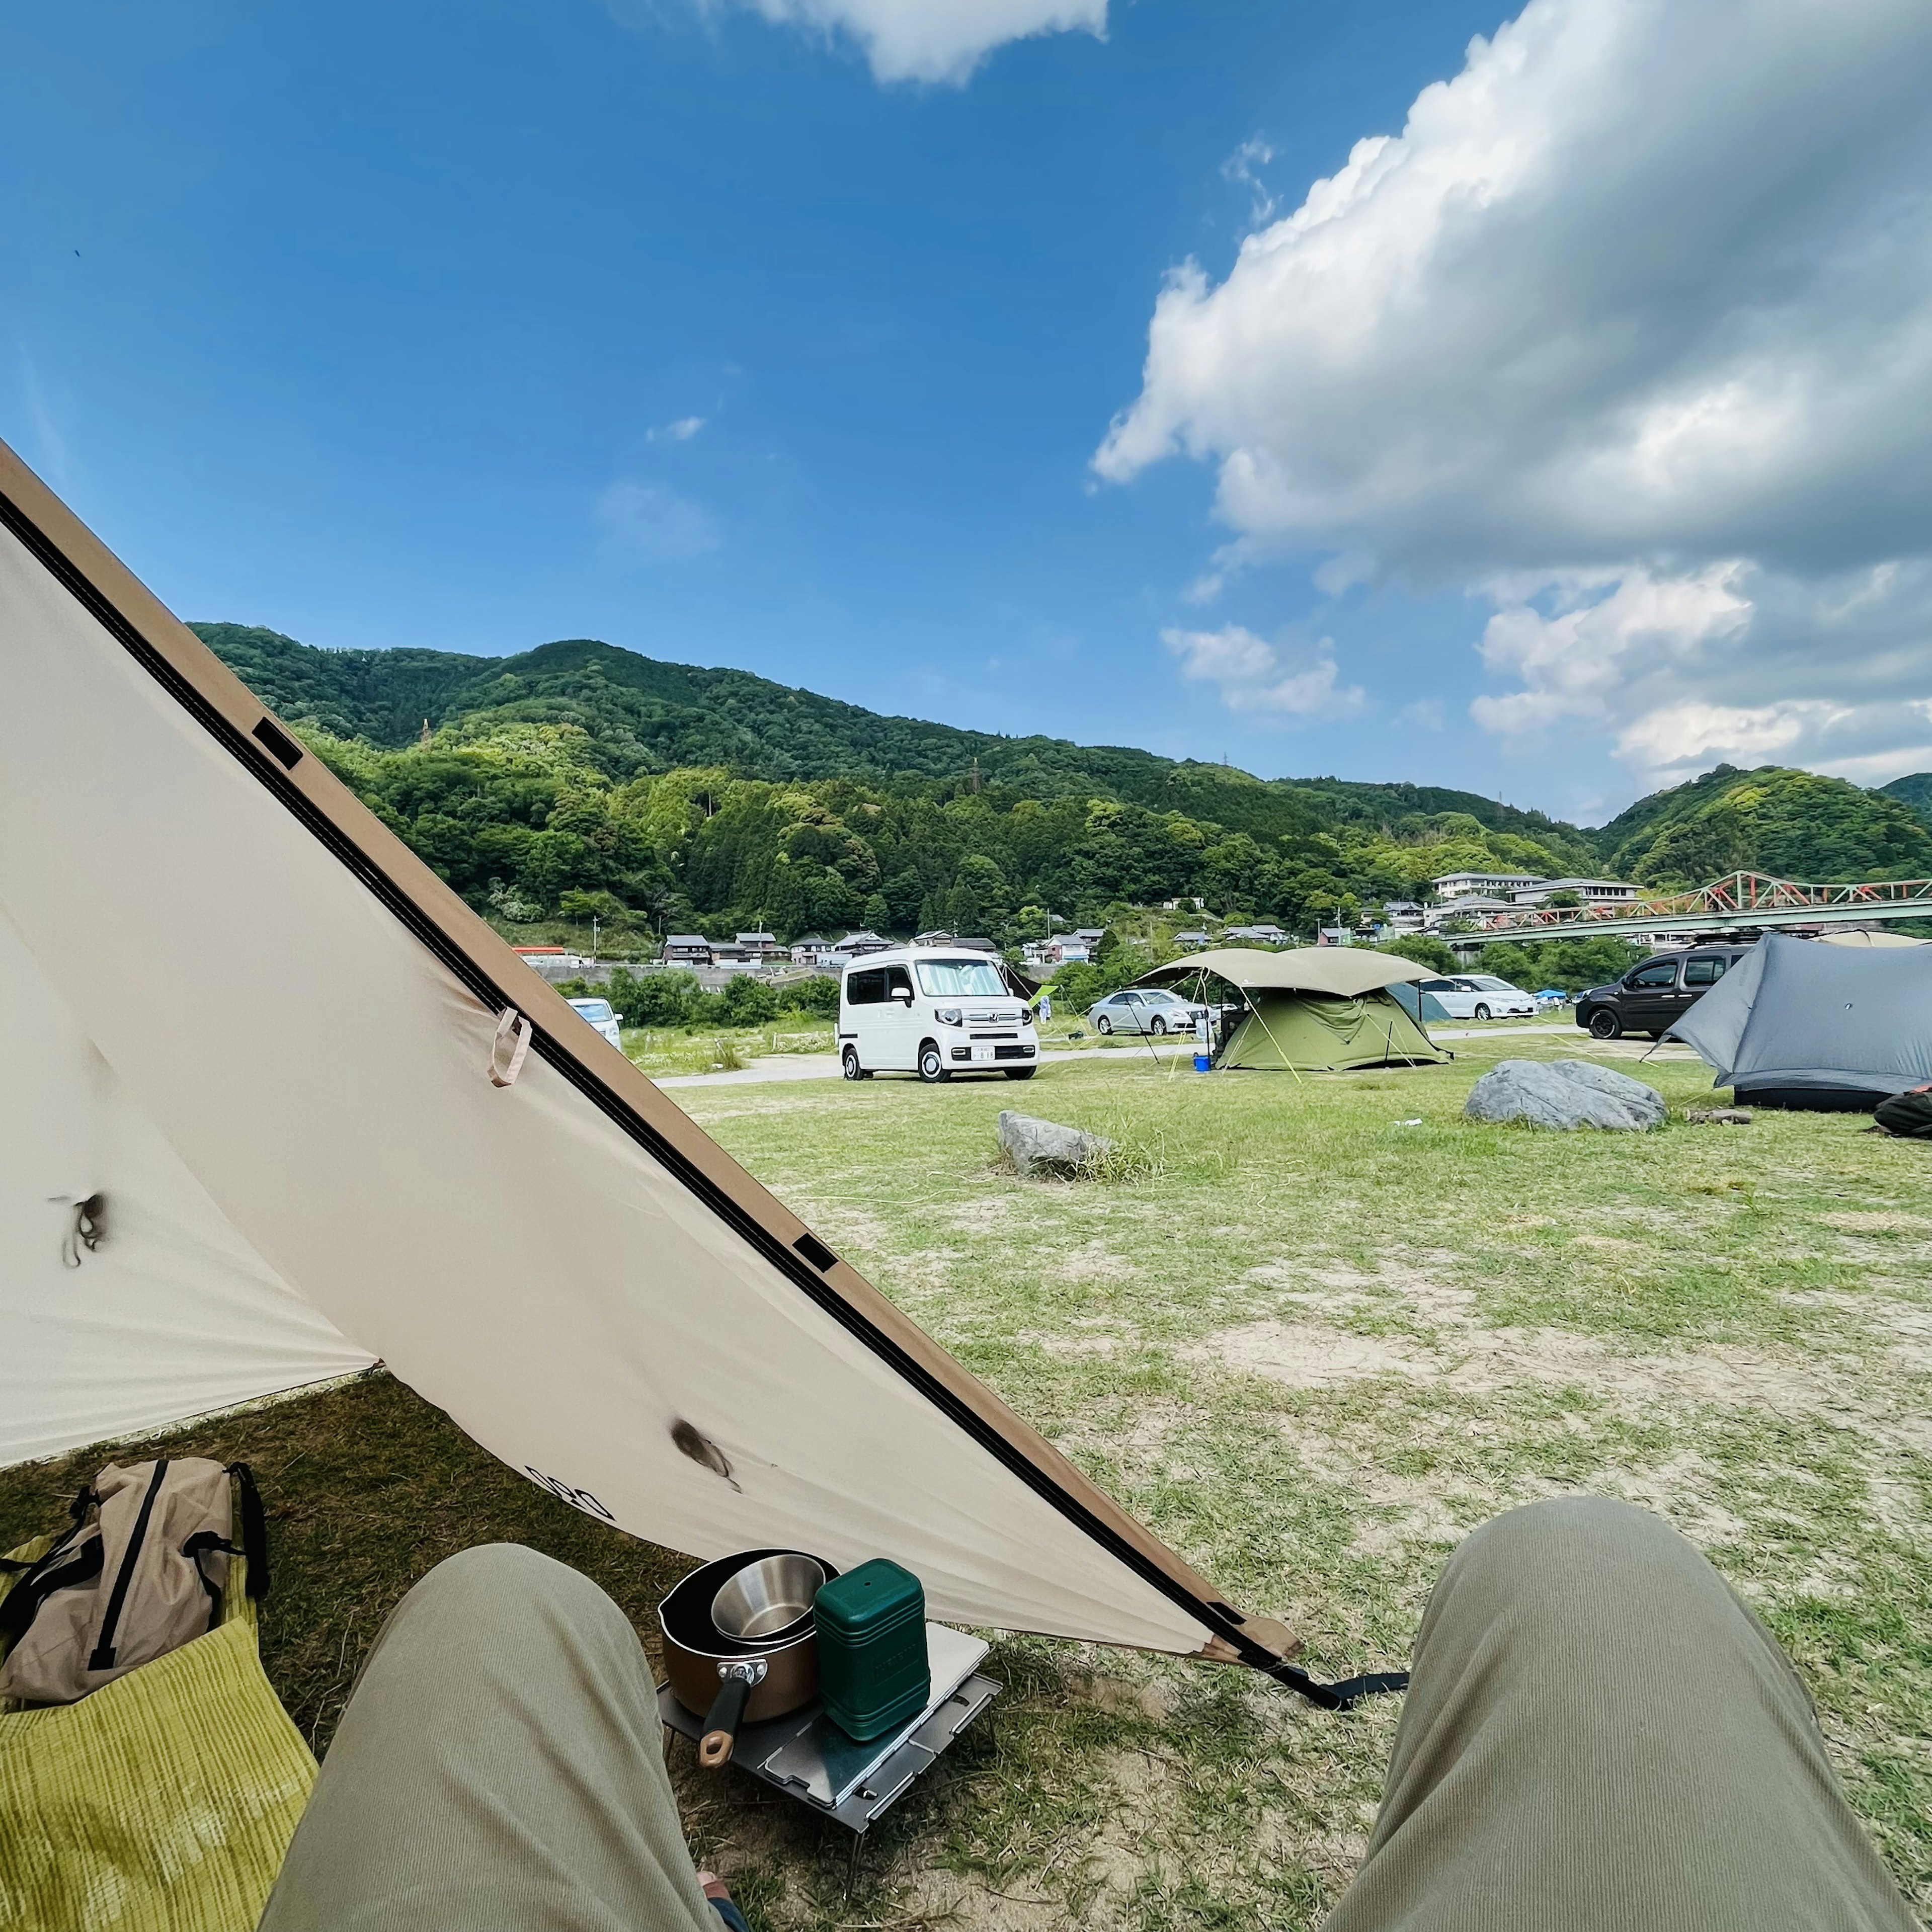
[1313, 1332]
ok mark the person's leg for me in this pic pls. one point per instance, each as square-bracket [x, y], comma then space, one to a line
[500, 1765]
[1599, 1737]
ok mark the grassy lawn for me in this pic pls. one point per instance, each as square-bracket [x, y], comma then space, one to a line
[1313, 1332]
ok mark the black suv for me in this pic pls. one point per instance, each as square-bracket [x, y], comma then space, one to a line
[1651, 998]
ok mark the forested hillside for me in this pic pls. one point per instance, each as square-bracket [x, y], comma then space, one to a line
[1914, 790]
[578, 778]
[1794, 824]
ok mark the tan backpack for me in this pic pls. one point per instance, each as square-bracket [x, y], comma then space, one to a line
[140, 1572]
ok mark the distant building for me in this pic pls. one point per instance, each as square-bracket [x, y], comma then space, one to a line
[1334, 935]
[1476, 907]
[759, 945]
[1192, 942]
[1192, 904]
[1255, 935]
[1588, 892]
[976, 945]
[687, 948]
[1070, 951]
[1091, 934]
[933, 938]
[807, 952]
[855, 945]
[1467, 885]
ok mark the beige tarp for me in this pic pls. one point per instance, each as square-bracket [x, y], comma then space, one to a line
[294, 1019]
[1346, 971]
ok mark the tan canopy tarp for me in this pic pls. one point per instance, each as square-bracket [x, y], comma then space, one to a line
[299, 1160]
[1346, 971]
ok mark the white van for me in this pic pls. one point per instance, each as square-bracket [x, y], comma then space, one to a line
[933, 1012]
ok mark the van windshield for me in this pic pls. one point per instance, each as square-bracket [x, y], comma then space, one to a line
[960, 979]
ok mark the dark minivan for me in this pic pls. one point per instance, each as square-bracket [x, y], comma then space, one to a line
[1653, 997]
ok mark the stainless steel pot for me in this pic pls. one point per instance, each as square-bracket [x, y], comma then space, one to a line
[736, 1680]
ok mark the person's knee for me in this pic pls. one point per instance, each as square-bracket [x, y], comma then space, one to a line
[500, 1590]
[1585, 1566]
[1581, 1531]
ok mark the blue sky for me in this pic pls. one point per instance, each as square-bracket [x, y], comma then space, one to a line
[680, 326]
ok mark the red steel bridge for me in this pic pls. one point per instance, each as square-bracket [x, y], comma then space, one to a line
[1743, 899]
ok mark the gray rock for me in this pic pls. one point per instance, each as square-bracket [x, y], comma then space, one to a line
[1565, 1093]
[1719, 1116]
[1045, 1147]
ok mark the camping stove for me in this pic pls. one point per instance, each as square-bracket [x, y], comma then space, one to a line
[806, 1756]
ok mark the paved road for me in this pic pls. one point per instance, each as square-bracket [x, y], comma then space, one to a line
[825, 1065]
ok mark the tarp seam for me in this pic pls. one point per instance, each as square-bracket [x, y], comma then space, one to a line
[793, 1266]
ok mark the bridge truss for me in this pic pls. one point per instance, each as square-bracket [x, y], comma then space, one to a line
[1742, 899]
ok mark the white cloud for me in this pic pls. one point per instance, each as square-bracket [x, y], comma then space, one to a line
[657, 522]
[1733, 662]
[1239, 168]
[933, 40]
[1252, 676]
[682, 430]
[1637, 309]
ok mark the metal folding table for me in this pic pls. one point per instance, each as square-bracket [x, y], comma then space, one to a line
[806, 1756]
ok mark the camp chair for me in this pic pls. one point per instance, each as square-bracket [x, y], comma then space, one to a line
[164, 1802]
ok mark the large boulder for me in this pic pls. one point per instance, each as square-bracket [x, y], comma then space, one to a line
[1566, 1093]
[1044, 1147]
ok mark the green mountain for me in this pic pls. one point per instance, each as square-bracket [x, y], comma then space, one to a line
[1794, 824]
[578, 778]
[1914, 790]
[644, 715]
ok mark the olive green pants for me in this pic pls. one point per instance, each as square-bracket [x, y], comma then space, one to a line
[1599, 1737]
[499, 1769]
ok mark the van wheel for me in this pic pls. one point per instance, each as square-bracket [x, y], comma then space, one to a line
[1605, 1025]
[1484, 1013]
[931, 1067]
[1103, 1024]
[1021, 1073]
[849, 1064]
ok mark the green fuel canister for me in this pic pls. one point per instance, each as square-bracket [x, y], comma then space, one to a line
[872, 1669]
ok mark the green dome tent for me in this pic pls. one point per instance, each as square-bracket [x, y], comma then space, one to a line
[1313, 1009]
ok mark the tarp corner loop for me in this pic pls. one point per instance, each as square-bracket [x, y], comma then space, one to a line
[507, 1050]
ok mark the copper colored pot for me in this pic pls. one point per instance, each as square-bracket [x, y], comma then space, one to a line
[729, 1681]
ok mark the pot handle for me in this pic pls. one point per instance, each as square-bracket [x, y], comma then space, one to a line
[727, 1710]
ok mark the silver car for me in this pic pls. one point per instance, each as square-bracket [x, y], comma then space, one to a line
[1145, 1009]
[600, 1015]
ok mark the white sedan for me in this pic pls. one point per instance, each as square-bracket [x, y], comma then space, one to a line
[598, 1013]
[1480, 996]
[1145, 1009]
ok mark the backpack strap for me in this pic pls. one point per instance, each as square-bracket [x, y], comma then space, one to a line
[84, 1500]
[254, 1531]
[197, 1547]
[59, 1569]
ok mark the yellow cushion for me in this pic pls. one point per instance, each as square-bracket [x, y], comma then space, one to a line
[163, 1802]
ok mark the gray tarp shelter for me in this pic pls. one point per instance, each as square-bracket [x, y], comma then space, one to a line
[1311, 1009]
[1794, 1024]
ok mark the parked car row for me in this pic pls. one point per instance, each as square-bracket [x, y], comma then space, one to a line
[893, 1025]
